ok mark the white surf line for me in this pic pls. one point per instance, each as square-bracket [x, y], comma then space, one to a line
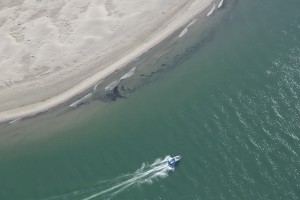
[185, 30]
[212, 10]
[128, 74]
[115, 83]
[112, 85]
[221, 4]
[96, 86]
[86, 97]
[15, 121]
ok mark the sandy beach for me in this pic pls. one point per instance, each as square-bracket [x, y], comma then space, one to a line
[51, 51]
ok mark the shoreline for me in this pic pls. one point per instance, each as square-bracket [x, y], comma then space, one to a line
[43, 106]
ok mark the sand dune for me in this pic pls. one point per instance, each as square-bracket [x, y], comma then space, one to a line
[52, 50]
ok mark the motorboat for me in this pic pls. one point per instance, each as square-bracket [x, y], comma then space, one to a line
[172, 162]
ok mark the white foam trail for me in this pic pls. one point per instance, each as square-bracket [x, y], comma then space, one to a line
[15, 121]
[191, 23]
[211, 11]
[159, 161]
[128, 74]
[95, 87]
[82, 100]
[109, 188]
[146, 174]
[221, 4]
[185, 30]
[112, 85]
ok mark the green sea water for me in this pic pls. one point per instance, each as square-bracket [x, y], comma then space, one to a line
[227, 102]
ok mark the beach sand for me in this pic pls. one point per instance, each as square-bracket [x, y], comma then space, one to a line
[51, 51]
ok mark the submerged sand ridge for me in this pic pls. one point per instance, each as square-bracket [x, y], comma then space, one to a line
[51, 50]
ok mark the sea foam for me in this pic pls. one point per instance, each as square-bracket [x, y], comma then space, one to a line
[82, 100]
[185, 30]
[211, 11]
[221, 4]
[128, 74]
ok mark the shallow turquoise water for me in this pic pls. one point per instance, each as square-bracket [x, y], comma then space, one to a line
[231, 109]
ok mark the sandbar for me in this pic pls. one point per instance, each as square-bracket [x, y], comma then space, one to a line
[53, 50]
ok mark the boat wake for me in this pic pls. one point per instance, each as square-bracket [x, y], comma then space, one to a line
[107, 189]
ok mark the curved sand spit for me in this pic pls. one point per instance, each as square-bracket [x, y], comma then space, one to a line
[52, 50]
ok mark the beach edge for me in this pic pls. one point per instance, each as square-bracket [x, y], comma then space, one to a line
[45, 105]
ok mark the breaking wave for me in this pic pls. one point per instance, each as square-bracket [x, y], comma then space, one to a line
[185, 30]
[221, 4]
[83, 100]
[211, 11]
[128, 74]
[112, 85]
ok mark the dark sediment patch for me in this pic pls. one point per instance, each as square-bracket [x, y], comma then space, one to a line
[124, 89]
[112, 96]
[161, 65]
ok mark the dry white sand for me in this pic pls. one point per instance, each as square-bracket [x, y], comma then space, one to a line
[52, 50]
